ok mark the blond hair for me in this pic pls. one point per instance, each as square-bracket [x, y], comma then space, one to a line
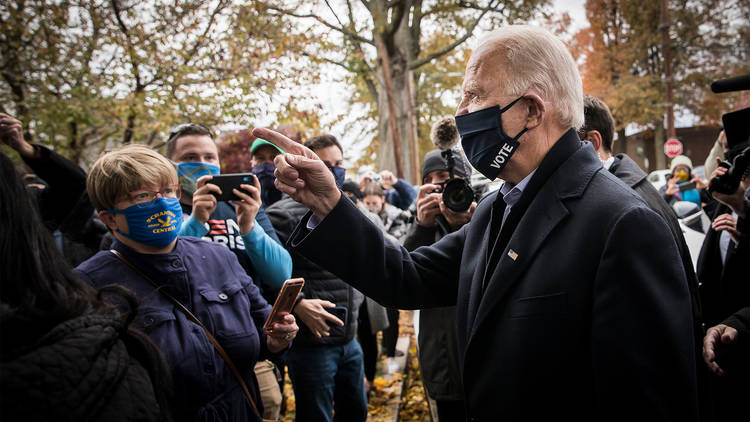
[124, 170]
[537, 59]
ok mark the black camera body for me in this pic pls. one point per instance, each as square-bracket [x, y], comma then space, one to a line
[457, 192]
[730, 181]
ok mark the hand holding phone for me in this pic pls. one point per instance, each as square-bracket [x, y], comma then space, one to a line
[227, 182]
[284, 302]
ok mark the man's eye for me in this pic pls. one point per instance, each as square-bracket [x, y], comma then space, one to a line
[141, 196]
[168, 191]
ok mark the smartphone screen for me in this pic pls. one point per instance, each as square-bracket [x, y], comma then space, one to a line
[284, 301]
[227, 182]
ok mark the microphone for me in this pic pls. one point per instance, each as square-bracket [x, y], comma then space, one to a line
[738, 83]
[457, 192]
[444, 133]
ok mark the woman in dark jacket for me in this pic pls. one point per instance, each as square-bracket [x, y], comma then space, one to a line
[65, 355]
[137, 194]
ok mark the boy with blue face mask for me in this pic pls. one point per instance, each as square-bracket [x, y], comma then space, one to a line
[192, 148]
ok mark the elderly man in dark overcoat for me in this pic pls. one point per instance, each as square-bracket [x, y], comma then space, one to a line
[571, 298]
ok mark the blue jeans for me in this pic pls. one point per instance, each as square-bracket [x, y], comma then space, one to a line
[327, 380]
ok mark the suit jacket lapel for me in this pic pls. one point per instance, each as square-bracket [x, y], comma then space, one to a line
[475, 289]
[538, 221]
[570, 168]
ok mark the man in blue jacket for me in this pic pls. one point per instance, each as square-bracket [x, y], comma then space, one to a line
[571, 300]
[241, 226]
[192, 148]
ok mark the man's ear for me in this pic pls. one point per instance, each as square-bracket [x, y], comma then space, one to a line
[595, 138]
[108, 219]
[536, 110]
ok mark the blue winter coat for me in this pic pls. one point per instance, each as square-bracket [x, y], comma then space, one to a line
[209, 281]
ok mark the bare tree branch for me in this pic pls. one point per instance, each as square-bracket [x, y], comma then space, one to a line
[322, 21]
[219, 7]
[469, 31]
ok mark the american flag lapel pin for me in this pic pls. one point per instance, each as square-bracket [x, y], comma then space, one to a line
[512, 254]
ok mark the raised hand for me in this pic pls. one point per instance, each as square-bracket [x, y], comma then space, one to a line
[11, 133]
[204, 203]
[734, 201]
[428, 205]
[388, 178]
[302, 175]
[247, 206]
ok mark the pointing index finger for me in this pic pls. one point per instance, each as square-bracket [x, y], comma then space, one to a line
[283, 142]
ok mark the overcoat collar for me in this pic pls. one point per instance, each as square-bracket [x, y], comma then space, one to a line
[564, 173]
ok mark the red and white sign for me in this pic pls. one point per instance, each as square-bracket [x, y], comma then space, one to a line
[672, 148]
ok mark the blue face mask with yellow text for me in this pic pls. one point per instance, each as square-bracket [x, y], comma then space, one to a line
[155, 224]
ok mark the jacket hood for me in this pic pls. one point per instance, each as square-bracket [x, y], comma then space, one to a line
[73, 371]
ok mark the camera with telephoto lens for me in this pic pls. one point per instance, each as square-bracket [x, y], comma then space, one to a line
[730, 181]
[457, 192]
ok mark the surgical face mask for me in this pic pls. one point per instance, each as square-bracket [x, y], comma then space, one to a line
[339, 173]
[487, 146]
[268, 192]
[154, 223]
[189, 173]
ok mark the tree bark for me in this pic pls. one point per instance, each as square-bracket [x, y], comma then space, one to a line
[397, 47]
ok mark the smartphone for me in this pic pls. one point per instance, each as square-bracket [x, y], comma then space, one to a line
[686, 186]
[227, 182]
[284, 301]
[339, 312]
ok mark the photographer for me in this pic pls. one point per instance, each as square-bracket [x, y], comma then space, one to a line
[437, 347]
[682, 184]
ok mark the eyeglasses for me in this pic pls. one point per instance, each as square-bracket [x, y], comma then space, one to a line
[180, 129]
[144, 197]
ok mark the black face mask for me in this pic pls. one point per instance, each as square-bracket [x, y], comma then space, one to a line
[486, 144]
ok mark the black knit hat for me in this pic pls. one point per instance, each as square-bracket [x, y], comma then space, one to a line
[434, 160]
[352, 187]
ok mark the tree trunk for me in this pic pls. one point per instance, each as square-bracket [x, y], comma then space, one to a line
[397, 48]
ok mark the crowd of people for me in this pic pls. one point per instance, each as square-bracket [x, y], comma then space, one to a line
[130, 292]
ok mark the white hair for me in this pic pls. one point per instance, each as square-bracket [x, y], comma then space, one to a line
[537, 59]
